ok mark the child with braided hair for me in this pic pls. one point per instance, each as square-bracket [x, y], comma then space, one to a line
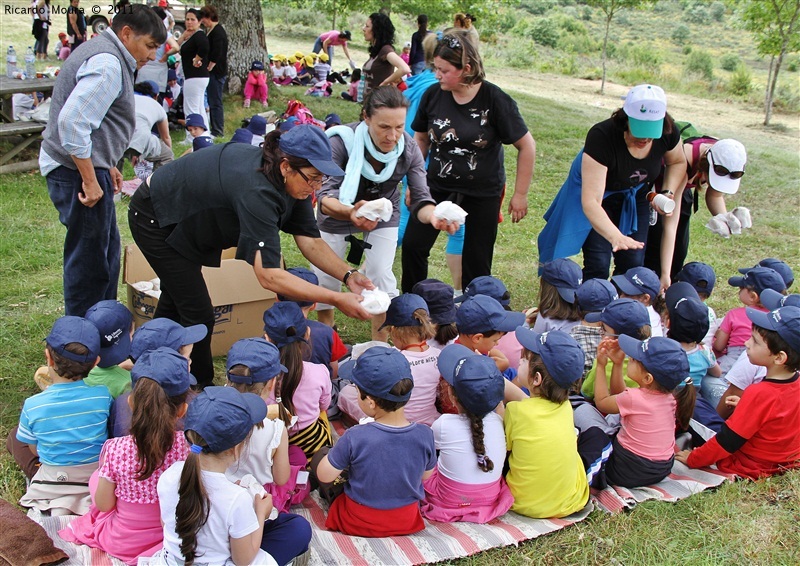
[467, 484]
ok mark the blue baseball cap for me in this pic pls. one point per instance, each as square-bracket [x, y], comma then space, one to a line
[483, 314]
[478, 383]
[164, 332]
[638, 281]
[288, 124]
[285, 323]
[331, 120]
[663, 358]
[310, 143]
[699, 275]
[377, 371]
[172, 75]
[202, 142]
[257, 125]
[166, 367]
[74, 329]
[625, 316]
[257, 66]
[306, 275]
[262, 358]
[401, 310]
[759, 278]
[113, 320]
[223, 417]
[561, 354]
[785, 321]
[241, 135]
[783, 269]
[486, 285]
[565, 275]
[774, 300]
[594, 295]
[195, 120]
[439, 297]
[688, 315]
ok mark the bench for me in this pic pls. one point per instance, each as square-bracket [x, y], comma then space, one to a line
[24, 134]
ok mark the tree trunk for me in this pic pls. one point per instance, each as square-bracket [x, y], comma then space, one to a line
[605, 44]
[771, 94]
[244, 23]
[767, 90]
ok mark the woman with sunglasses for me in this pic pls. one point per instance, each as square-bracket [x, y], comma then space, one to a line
[603, 208]
[376, 153]
[712, 165]
[234, 194]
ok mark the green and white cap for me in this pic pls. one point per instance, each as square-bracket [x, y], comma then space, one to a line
[646, 107]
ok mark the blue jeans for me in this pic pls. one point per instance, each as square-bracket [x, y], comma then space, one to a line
[91, 246]
[417, 68]
[286, 537]
[216, 112]
[318, 47]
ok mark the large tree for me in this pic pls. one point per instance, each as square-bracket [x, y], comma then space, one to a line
[244, 24]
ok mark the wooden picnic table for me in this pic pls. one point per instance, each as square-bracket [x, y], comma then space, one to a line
[24, 134]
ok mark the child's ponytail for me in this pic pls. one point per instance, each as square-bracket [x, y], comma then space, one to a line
[476, 426]
[686, 397]
[292, 359]
[193, 504]
[153, 424]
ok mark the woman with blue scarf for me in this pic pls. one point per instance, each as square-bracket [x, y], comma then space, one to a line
[603, 207]
[376, 154]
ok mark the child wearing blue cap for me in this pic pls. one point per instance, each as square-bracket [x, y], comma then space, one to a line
[124, 518]
[702, 278]
[762, 436]
[557, 309]
[206, 516]
[115, 323]
[643, 285]
[467, 484]
[546, 474]
[593, 295]
[387, 459]
[438, 295]
[736, 328]
[644, 449]
[62, 429]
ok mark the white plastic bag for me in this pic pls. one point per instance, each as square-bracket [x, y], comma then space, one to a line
[450, 212]
[378, 209]
[375, 301]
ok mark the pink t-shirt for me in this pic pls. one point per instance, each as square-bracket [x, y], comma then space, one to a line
[647, 423]
[120, 465]
[313, 395]
[737, 326]
[333, 35]
[511, 348]
[421, 407]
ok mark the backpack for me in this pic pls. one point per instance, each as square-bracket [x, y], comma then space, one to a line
[304, 116]
[688, 131]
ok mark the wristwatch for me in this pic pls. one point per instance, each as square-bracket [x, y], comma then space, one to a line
[347, 276]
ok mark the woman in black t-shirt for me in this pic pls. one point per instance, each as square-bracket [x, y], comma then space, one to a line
[384, 66]
[194, 62]
[464, 121]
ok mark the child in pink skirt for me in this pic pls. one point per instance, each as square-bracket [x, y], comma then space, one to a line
[124, 519]
[255, 87]
[467, 484]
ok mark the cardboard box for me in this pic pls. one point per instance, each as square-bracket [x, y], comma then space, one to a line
[239, 299]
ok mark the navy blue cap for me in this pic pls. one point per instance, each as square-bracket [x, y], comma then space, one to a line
[565, 275]
[759, 278]
[74, 329]
[478, 383]
[223, 417]
[638, 281]
[289, 123]
[172, 75]
[439, 297]
[663, 358]
[783, 269]
[699, 275]
[257, 66]
[483, 314]
[310, 143]
[377, 371]
[166, 367]
[774, 300]
[625, 316]
[242, 135]
[401, 310]
[113, 320]
[486, 285]
[594, 295]
[306, 275]
[164, 332]
[688, 315]
[202, 142]
[332, 119]
[258, 125]
[285, 323]
[785, 321]
[262, 358]
[195, 120]
[560, 352]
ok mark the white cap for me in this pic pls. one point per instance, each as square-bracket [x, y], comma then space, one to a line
[407, 44]
[731, 155]
[646, 106]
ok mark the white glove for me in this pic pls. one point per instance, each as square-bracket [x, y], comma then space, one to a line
[450, 212]
[719, 225]
[379, 209]
[733, 223]
[352, 64]
[743, 215]
[375, 301]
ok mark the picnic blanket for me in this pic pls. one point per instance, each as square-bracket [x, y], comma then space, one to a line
[79, 555]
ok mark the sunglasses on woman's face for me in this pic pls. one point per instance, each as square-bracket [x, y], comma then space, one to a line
[723, 171]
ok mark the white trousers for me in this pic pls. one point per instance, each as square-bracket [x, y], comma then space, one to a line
[194, 99]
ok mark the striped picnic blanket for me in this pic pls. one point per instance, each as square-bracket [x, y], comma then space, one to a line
[79, 555]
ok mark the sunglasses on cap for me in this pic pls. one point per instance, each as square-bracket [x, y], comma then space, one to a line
[723, 171]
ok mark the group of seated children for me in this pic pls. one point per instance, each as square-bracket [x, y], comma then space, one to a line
[470, 414]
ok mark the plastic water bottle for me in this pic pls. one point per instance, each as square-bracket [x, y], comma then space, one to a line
[30, 63]
[11, 62]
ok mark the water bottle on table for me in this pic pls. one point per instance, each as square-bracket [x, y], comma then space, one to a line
[11, 62]
[30, 63]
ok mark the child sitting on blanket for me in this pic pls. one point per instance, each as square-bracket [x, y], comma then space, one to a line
[643, 285]
[467, 484]
[63, 428]
[762, 437]
[386, 460]
[124, 518]
[592, 296]
[557, 309]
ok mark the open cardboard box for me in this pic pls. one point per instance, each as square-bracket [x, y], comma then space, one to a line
[238, 298]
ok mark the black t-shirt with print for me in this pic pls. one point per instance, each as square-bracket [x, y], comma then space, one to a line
[606, 144]
[466, 151]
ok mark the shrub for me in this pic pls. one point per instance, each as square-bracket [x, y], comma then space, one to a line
[730, 62]
[697, 14]
[741, 82]
[586, 15]
[787, 98]
[680, 34]
[687, 49]
[717, 11]
[700, 63]
[537, 7]
[645, 55]
[545, 32]
[792, 65]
